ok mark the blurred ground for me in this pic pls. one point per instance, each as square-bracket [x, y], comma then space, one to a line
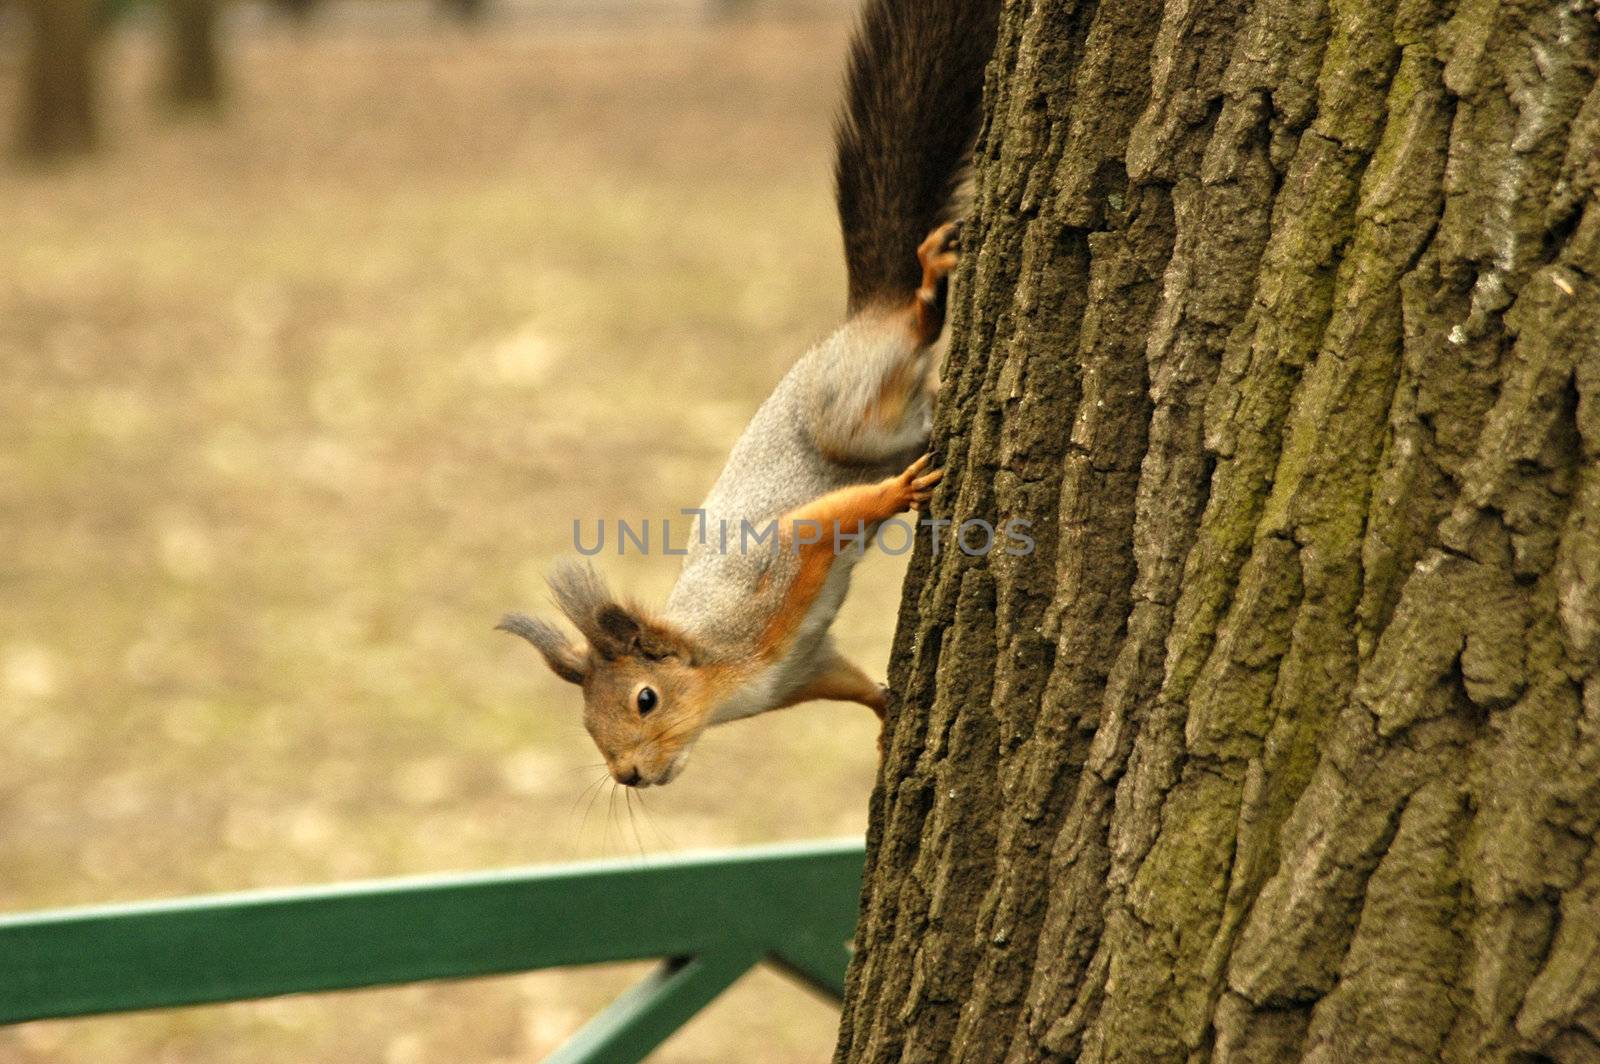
[294, 405]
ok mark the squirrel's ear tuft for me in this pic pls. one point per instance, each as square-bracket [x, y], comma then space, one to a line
[581, 594]
[613, 629]
[564, 659]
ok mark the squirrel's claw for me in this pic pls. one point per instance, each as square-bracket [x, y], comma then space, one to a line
[922, 487]
[914, 486]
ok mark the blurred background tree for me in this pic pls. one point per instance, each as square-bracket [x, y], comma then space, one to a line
[58, 95]
[113, 11]
[299, 10]
[464, 10]
[194, 71]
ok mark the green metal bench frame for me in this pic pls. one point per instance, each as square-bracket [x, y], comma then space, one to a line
[711, 916]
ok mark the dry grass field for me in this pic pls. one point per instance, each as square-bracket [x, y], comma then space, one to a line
[295, 403]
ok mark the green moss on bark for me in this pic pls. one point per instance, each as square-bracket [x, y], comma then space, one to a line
[1283, 329]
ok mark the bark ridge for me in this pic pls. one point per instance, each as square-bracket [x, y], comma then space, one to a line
[1283, 330]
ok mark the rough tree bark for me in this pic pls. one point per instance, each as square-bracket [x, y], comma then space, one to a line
[194, 62]
[58, 98]
[1283, 328]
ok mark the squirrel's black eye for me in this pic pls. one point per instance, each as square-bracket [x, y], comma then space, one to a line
[647, 700]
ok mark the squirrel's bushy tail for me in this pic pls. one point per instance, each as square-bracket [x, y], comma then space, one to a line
[913, 95]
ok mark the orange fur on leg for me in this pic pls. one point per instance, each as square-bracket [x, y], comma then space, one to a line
[938, 257]
[836, 515]
[842, 681]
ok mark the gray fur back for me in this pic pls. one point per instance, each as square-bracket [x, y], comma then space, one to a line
[787, 457]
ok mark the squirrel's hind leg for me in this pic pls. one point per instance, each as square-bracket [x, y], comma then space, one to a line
[938, 255]
[871, 385]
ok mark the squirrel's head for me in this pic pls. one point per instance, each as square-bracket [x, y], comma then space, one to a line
[646, 693]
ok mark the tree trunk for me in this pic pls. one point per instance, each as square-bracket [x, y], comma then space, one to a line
[194, 74]
[1282, 325]
[58, 102]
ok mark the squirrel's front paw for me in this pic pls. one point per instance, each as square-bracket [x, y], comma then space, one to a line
[914, 487]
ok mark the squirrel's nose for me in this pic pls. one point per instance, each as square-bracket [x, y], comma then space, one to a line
[628, 777]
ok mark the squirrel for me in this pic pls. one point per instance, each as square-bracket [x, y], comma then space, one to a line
[839, 447]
